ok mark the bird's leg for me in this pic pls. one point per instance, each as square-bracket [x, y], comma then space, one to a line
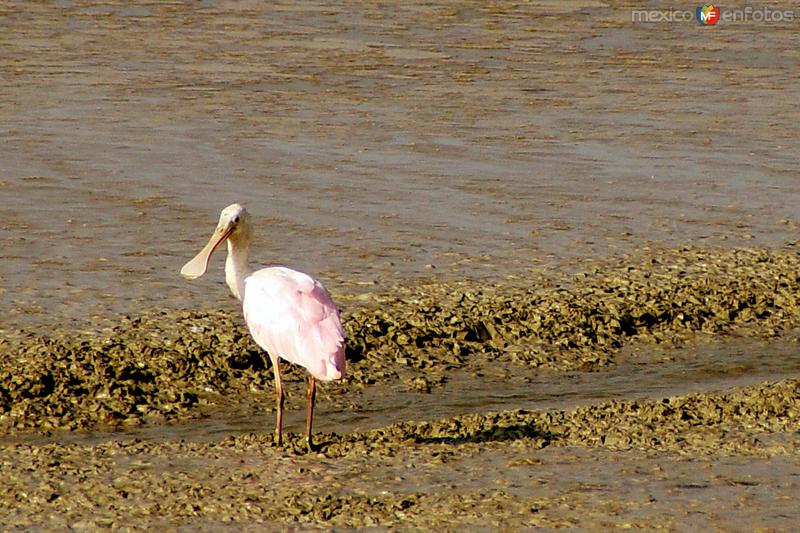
[276, 367]
[312, 393]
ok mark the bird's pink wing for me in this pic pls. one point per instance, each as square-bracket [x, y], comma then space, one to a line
[291, 315]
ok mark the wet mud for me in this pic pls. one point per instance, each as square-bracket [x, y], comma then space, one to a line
[509, 469]
[170, 365]
[164, 369]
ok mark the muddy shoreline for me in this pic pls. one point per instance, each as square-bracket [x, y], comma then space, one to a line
[168, 367]
[246, 480]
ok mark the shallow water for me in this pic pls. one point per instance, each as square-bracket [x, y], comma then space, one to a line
[651, 374]
[373, 143]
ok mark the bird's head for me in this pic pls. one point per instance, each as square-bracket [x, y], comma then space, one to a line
[234, 225]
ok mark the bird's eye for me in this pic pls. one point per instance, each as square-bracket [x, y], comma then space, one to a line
[236, 220]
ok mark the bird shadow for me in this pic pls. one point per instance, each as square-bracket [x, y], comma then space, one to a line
[493, 434]
[294, 444]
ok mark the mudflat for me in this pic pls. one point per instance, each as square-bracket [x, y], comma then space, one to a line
[164, 420]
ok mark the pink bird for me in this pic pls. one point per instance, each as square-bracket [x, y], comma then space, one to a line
[288, 313]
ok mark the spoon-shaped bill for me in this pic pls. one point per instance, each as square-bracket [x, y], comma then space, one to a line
[198, 265]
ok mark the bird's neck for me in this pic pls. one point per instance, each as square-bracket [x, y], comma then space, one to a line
[236, 268]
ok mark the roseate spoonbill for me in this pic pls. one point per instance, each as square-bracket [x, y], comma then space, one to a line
[289, 314]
